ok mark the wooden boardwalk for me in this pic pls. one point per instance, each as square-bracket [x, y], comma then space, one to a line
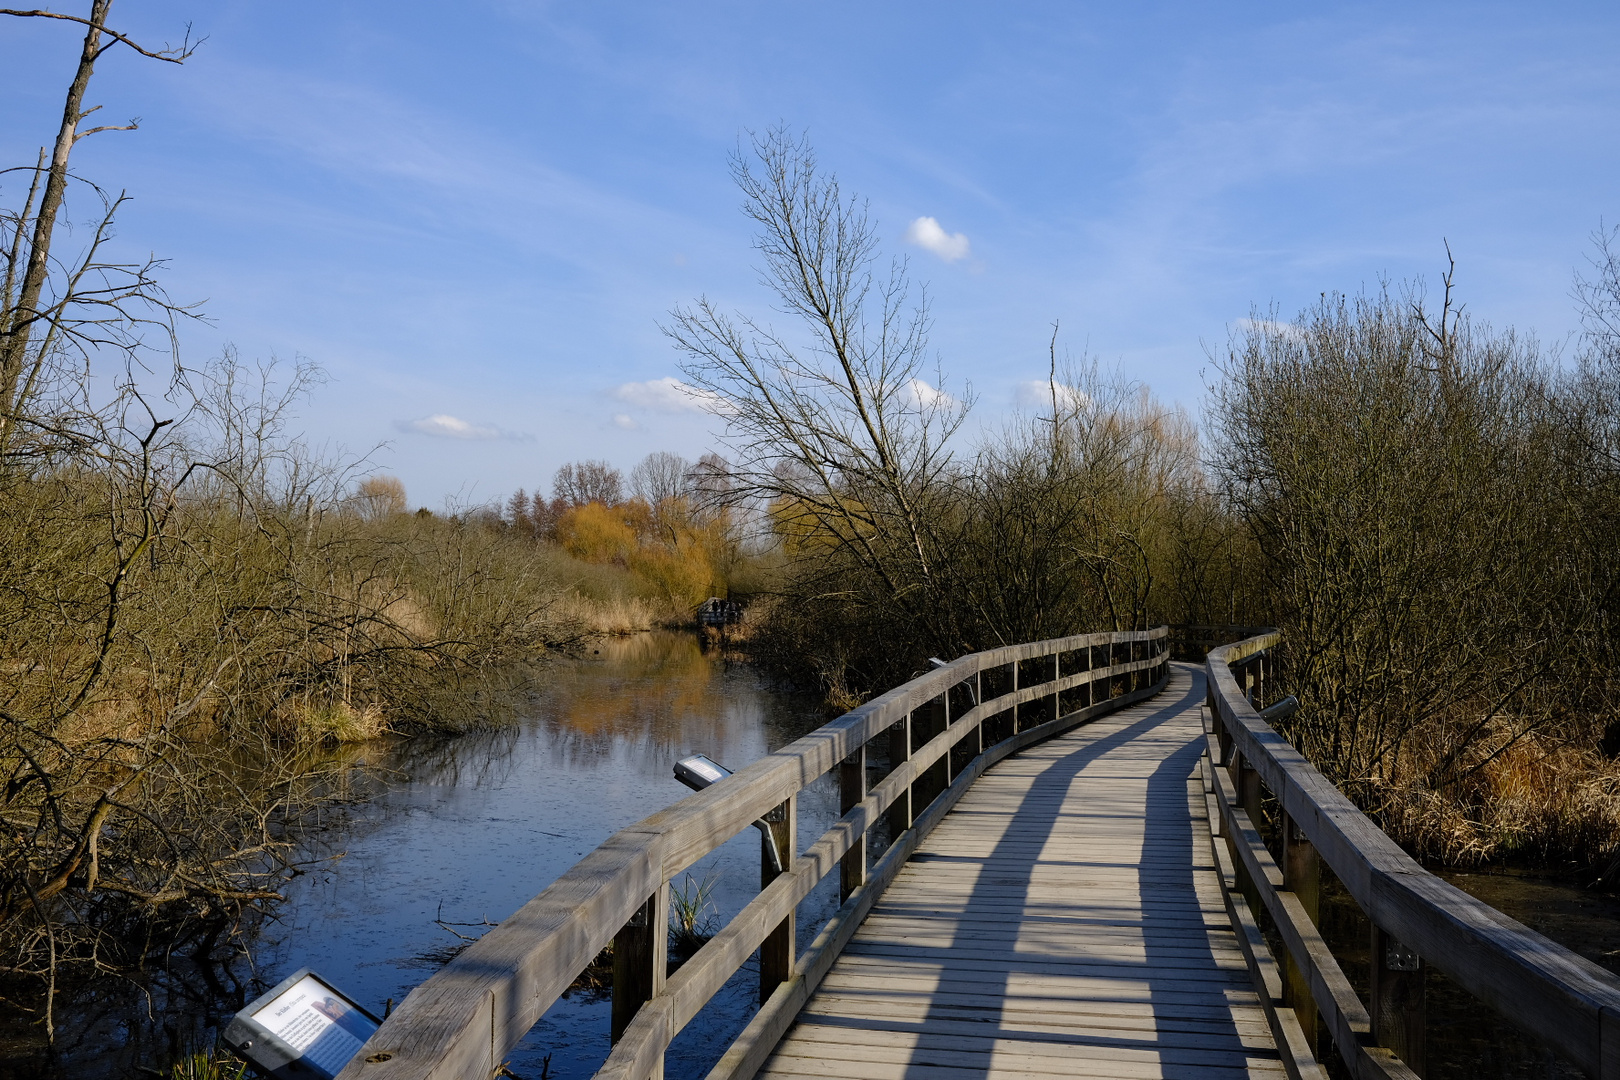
[1064, 920]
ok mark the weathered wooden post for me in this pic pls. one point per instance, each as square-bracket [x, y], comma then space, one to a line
[776, 951]
[1302, 876]
[1057, 673]
[851, 790]
[938, 776]
[899, 754]
[640, 960]
[1246, 783]
[978, 698]
[1397, 1006]
[1017, 721]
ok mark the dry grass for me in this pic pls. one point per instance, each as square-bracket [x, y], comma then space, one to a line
[331, 721]
[618, 615]
[1543, 802]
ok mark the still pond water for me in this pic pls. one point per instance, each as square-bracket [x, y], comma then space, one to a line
[460, 831]
[457, 833]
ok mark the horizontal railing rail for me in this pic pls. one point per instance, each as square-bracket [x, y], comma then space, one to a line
[1549, 991]
[942, 733]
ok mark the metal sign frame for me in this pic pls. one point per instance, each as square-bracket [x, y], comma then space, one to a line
[305, 1038]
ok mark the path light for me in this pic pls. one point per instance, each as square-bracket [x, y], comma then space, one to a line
[973, 688]
[1281, 710]
[698, 772]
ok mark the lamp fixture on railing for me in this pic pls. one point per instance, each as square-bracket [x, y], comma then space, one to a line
[698, 772]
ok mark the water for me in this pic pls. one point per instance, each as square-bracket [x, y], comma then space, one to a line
[465, 831]
[1465, 1039]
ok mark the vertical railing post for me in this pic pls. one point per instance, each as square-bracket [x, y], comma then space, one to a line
[776, 951]
[1397, 1007]
[1057, 673]
[1018, 722]
[979, 698]
[851, 790]
[926, 724]
[899, 754]
[1246, 781]
[640, 960]
[1302, 876]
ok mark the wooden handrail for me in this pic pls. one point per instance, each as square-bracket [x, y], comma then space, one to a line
[1551, 992]
[463, 1020]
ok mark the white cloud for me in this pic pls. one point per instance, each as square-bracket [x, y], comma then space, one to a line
[927, 234]
[1037, 394]
[445, 426]
[920, 395]
[668, 395]
[624, 420]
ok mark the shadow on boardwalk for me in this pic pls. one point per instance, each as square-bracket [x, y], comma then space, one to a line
[1054, 924]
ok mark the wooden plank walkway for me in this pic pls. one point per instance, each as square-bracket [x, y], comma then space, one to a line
[1064, 920]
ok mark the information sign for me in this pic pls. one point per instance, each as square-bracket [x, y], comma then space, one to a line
[303, 1029]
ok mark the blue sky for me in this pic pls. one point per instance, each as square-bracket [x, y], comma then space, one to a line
[480, 212]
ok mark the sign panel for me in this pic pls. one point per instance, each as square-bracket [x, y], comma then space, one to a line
[303, 1028]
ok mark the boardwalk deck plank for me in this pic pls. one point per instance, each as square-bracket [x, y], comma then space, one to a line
[1063, 921]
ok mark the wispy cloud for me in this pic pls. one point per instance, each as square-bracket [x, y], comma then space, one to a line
[445, 426]
[625, 421]
[668, 395]
[920, 395]
[928, 234]
[1038, 394]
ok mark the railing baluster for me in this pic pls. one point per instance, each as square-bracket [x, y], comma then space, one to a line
[900, 816]
[851, 790]
[1017, 723]
[1246, 781]
[1057, 673]
[1397, 1006]
[1302, 876]
[978, 697]
[640, 959]
[776, 951]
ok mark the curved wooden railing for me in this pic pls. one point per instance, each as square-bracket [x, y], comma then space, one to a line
[944, 729]
[1554, 994]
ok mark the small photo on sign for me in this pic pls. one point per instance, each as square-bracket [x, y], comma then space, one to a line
[324, 1029]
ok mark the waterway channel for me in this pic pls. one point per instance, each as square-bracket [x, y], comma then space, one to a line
[454, 833]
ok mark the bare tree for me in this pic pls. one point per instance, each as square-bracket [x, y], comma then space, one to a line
[581, 482]
[380, 497]
[659, 476]
[832, 424]
[89, 303]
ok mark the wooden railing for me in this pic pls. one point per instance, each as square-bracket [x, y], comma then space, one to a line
[941, 731]
[1417, 919]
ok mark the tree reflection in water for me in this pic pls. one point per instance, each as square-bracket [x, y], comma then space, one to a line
[468, 829]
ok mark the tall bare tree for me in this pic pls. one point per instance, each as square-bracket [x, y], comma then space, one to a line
[87, 303]
[832, 423]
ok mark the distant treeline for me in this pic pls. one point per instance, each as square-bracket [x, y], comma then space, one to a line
[673, 527]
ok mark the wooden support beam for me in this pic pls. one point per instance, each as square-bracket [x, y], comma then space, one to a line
[851, 790]
[1302, 876]
[776, 951]
[640, 960]
[1398, 1004]
[899, 754]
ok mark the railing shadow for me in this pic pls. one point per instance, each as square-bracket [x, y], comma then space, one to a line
[968, 1010]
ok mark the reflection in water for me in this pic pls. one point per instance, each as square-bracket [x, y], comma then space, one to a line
[468, 829]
